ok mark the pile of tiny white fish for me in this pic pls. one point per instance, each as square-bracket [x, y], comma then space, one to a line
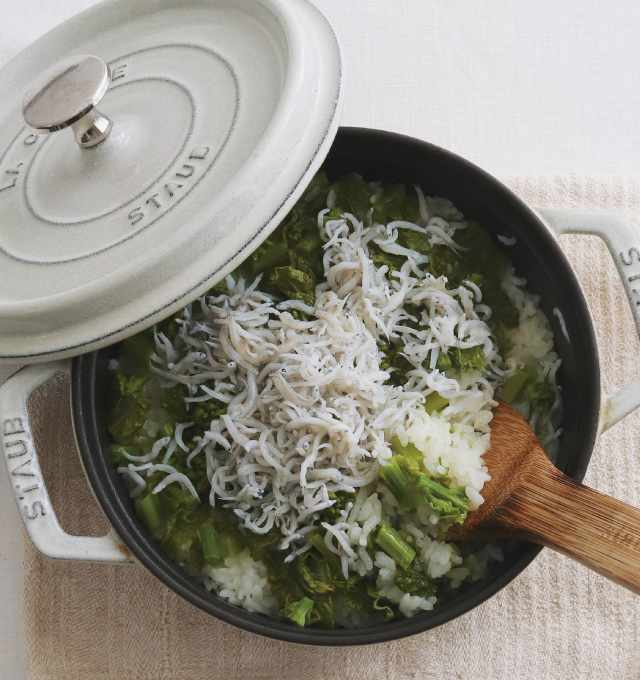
[308, 408]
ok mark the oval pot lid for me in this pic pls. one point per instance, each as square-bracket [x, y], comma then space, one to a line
[222, 113]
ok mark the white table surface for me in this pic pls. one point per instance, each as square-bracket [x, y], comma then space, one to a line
[517, 86]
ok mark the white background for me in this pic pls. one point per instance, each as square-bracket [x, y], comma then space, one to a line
[517, 86]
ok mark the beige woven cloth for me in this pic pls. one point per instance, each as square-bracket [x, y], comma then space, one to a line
[557, 620]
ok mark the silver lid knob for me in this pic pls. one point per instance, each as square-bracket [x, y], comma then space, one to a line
[66, 96]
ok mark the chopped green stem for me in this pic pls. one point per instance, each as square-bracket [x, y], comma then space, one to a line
[317, 541]
[149, 509]
[397, 549]
[434, 402]
[515, 385]
[396, 480]
[210, 540]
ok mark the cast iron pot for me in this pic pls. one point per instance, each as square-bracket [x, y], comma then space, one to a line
[376, 155]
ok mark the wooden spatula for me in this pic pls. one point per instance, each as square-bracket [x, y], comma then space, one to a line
[531, 499]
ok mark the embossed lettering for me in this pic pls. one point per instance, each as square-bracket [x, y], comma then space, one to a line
[22, 492]
[118, 72]
[15, 179]
[20, 452]
[27, 473]
[199, 152]
[169, 188]
[30, 140]
[136, 215]
[34, 510]
[13, 426]
[631, 252]
[155, 201]
[191, 169]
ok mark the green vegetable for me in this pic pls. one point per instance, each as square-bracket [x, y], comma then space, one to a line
[210, 542]
[412, 457]
[385, 610]
[310, 577]
[266, 256]
[315, 574]
[260, 543]
[451, 505]
[542, 396]
[167, 430]
[170, 327]
[414, 583]
[131, 410]
[299, 612]
[117, 453]
[138, 349]
[502, 309]
[149, 510]
[516, 384]
[381, 259]
[443, 362]
[468, 358]
[317, 541]
[341, 498]
[434, 402]
[397, 549]
[414, 240]
[360, 594]
[399, 483]
[295, 284]
[388, 205]
[353, 195]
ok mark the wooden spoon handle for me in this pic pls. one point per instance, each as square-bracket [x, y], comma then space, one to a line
[601, 532]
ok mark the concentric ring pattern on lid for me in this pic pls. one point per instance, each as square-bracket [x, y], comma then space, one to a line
[222, 112]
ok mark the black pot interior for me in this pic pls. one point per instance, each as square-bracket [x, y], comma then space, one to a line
[381, 155]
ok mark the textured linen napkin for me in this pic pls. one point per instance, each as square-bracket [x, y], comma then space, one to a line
[556, 620]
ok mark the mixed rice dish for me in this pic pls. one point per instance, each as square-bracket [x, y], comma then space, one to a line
[301, 438]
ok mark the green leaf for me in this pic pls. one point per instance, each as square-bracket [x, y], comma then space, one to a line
[314, 573]
[299, 612]
[389, 204]
[353, 195]
[384, 609]
[260, 543]
[414, 240]
[266, 256]
[139, 348]
[410, 581]
[542, 396]
[295, 284]
[117, 453]
[131, 409]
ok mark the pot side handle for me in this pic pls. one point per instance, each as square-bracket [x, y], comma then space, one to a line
[25, 476]
[624, 245]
